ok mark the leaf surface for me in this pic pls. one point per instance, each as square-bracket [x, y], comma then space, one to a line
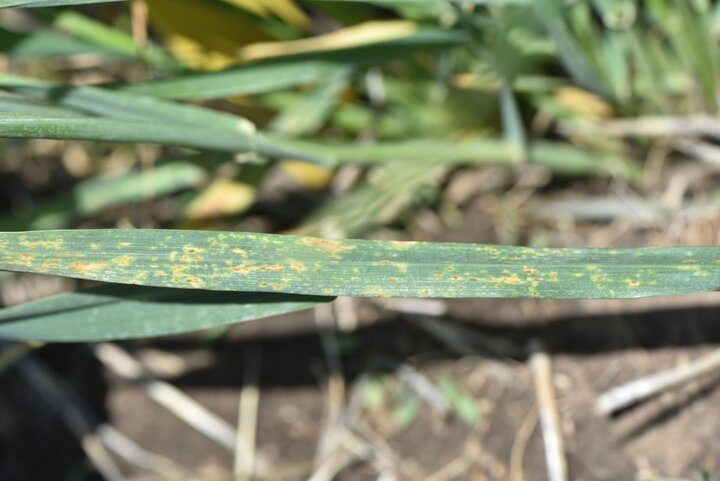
[234, 261]
[121, 312]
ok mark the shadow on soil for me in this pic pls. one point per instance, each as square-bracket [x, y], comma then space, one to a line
[296, 358]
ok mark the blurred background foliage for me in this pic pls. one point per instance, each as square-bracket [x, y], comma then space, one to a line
[417, 89]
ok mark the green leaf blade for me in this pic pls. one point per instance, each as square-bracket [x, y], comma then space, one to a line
[112, 312]
[228, 261]
[49, 3]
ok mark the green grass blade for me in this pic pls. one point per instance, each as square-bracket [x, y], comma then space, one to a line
[120, 312]
[309, 113]
[513, 128]
[402, 2]
[91, 196]
[16, 104]
[293, 70]
[35, 126]
[49, 3]
[375, 202]
[250, 80]
[28, 125]
[249, 262]
[561, 158]
[45, 44]
[113, 39]
[570, 52]
[124, 106]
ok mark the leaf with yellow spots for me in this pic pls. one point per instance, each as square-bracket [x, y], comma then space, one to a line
[233, 261]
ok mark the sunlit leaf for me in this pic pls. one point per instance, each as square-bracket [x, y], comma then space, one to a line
[229, 261]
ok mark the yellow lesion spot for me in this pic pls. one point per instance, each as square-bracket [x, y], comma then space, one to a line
[553, 277]
[194, 281]
[27, 257]
[278, 287]
[94, 246]
[332, 247]
[512, 280]
[425, 293]
[124, 260]
[376, 291]
[598, 278]
[190, 259]
[87, 267]
[193, 250]
[270, 267]
[124, 244]
[438, 273]
[530, 270]
[688, 268]
[216, 242]
[240, 252]
[632, 282]
[401, 266]
[178, 270]
[534, 293]
[591, 267]
[56, 244]
[240, 269]
[402, 244]
[491, 250]
[535, 281]
[297, 265]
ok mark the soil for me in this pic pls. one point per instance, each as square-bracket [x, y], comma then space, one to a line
[672, 435]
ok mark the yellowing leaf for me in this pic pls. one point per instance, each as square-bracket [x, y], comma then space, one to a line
[583, 103]
[309, 176]
[203, 35]
[362, 34]
[223, 197]
[287, 10]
